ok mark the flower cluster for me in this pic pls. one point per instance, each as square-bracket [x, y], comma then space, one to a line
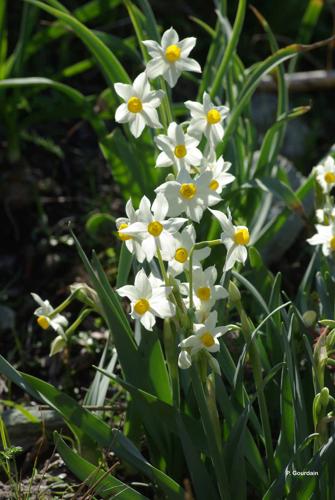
[173, 282]
[325, 215]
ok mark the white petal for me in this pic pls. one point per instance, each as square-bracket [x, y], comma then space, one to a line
[225, 223]
[141, 85]
[173, 225]
[122, 114]
[197, 127]
[137, 125]
[188, 64]
[124, 90]
[149, 248]
[196, 108]
[163, 160]
[156, 67]
[143, 285]
[128, 291]
[153, 48]
[241, 253]
[170, 37]
[231, 258]
[179, 135]
[160, 207]
[162, 308]
[194, 157]
[172, 74]
[148, 320]
[186, 45]
[154, 98]
[151, 116]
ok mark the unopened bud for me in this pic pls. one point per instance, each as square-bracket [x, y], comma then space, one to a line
[85, 294]
[309, 318]
[324, 397]
[57, 345]
[234, 293]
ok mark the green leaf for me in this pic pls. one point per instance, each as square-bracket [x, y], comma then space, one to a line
[230, 49]
[282, 191]
[88, 425]
[124, 267]
[73, 94]
[201, 481]
[101, 483]
[156, 410]
[110, 65]
[14, 376]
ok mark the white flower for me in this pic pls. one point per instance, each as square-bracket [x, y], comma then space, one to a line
[205, 337]
[170, 58]
[152, 228]
[177, 149]
[235, 239]
[207, 119]
[219, 169]
[44, 316]
[189, 195]
[325, 174]
[133, 243]
[178, 256]
[140, 106]
[325, 236]
[149, 298]
[205, 292]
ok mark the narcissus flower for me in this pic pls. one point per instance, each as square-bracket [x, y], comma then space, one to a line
[205, 337]
[152, 228]
[177, 149]
[235, 239]
[170, 58]
[205, 291]
[133, 243]
[189, 195]
[140, 105]
[179, 253]
[325, 236]
[325, 174]
[149, 298]
[207, 119]
[45, 318]
[219, 169]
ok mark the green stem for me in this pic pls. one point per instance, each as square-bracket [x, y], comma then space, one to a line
[258, 378]
[162, 267]
[215, 449]
[166, 101]
[63, 305]
[171, 358]
[72, 328]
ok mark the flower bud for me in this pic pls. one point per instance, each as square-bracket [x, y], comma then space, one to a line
[85, 294]
[324, 397]
[309, 318]
[184, 360]
[234, 293]
[57, 345]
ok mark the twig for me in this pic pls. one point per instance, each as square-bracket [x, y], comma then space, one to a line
[303, 81]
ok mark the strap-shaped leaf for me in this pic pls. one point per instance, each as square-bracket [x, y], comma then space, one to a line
[101, 483]
[109, 63]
